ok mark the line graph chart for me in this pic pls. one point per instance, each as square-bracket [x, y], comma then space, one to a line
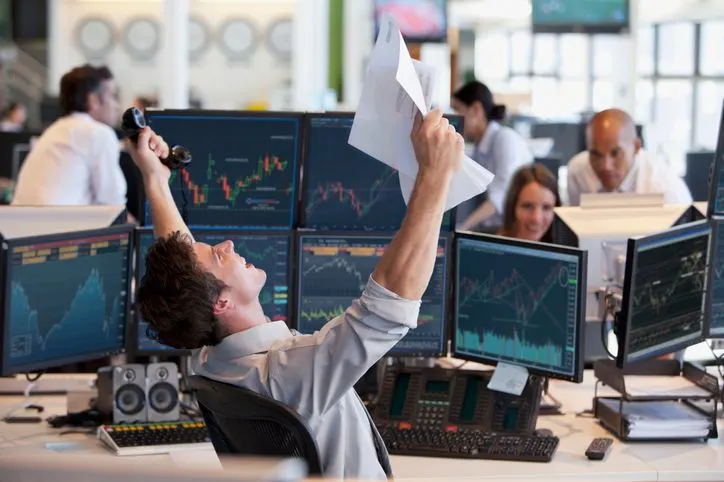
[668, 290]
[345, 189]
[517, 305]
[334, 270]
[244, 170]
[67, 300]
[716, 310]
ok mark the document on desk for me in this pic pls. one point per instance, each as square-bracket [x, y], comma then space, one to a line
[395, 89]
[661, 420]
[649, 385]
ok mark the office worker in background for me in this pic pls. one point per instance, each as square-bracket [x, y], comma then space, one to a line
[75, 161]
[529, 204]
[206, 298]
[616, 162]
[498, 148]
[13, 118]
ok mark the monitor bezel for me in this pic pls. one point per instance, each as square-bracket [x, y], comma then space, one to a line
[717, 168]
[9, 244]
[622, 321]
[582, 255]
[583, 27]
[714, 221]
[132, 344]
[296, 178]
[449, 239]
[306, 146]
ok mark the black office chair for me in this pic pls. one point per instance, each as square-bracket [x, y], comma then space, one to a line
[242, 422]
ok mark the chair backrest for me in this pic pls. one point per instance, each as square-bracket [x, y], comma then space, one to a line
[241, 421]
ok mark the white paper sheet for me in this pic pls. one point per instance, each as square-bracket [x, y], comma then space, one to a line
[395, 89]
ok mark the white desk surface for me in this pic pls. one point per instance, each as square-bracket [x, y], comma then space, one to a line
[625, 462]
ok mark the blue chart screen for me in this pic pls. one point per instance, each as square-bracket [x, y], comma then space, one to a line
[516, 304]
[67, 300]
[345, 188]
[716, 280]
[333, 272]
[243, 170]
[268, 253]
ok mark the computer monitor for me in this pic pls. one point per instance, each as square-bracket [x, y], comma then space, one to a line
[520, 302]
[580, 16]
[267, 250]
[346, 189]
[332, 271]
[65, 298]
[716, 186]
[715, 278]
[664, 295]
[244, 169]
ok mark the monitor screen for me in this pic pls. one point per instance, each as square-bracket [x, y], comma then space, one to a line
[268, 251]
[716, 188]
[419, 20]
[244, 169]
[663, 305]
[66, 298]
[344, 188]
[583, 16]
[333, 271]
[521, 303]
[715, 304]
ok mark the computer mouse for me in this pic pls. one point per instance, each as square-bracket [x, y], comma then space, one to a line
[543, 432]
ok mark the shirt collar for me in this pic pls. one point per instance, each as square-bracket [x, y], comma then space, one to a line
[253, 340]
[487, 141]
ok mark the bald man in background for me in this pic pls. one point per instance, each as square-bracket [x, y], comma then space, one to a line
[615, 162]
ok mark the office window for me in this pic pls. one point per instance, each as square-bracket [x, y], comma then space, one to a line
[573, 54]
[676, 49]
[673, 124]
[545, 54]
[644, 101]
[711, 60]
[573, 97]
[604, 95]
[520, 83]
[645, 55]
[545, 99]
[708, 114]
[492, 56]
[607, 54]
[521, 48]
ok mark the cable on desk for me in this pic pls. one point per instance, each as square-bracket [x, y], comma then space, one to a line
[36, 377]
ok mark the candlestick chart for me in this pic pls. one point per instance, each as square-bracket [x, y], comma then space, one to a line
[243, 171]
[345, 188]
[517, 305]
[67, 300]
[267, 252]
[334, 270]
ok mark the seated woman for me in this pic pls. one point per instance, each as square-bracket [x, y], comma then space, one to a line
[529, 203]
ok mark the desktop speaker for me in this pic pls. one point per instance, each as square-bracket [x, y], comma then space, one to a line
[162, 392]
[122, 392]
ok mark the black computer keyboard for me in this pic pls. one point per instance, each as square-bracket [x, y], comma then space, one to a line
[154, 438]
[426, 442]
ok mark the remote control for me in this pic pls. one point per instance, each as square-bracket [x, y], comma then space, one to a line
[598, 448]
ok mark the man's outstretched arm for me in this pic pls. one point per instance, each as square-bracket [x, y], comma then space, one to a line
[147, 155]
[312, 373]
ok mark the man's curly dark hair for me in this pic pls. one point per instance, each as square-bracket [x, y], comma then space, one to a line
[176, 296]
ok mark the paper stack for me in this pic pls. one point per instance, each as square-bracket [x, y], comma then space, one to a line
[661, 420]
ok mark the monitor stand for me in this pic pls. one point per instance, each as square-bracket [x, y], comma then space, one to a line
[549, 405]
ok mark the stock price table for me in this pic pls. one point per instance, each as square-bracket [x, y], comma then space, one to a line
[269, 253]
[67, 298]
[517, 305]
[243, 170]
[333, 272]
[668, 291]
[345, 189]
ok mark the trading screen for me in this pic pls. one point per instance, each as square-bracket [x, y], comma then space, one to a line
[68, 300]
[243, 171]
[345, 189]
[334, 270]
[269, 253]
[716, 197]
[716, 281]
[666, 294]
[517, 304]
